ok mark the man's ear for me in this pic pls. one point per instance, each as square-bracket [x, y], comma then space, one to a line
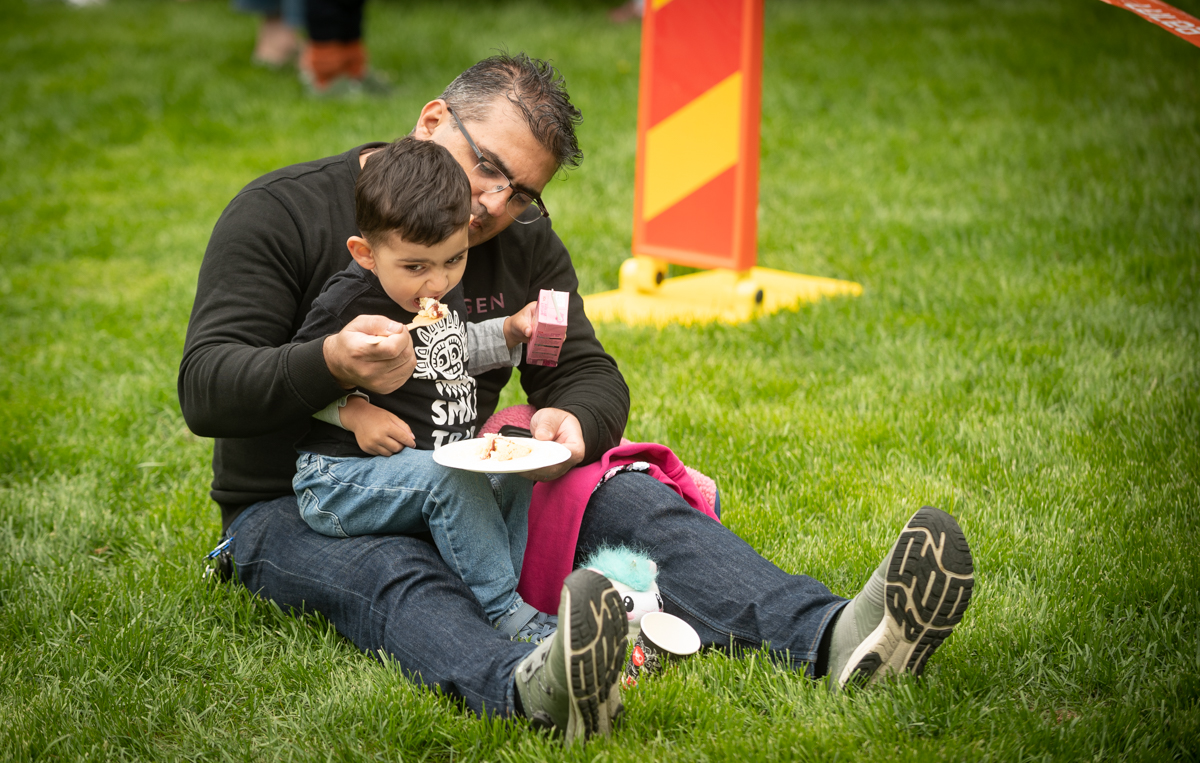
[432, 116]
[362, 252]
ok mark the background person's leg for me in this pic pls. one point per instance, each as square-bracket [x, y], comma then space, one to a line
[390, 593]
[334, 20]
[707, 575]
[276, 42]
[294, 13]
[335, 48]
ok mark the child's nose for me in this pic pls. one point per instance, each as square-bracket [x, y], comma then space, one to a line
[439, 281]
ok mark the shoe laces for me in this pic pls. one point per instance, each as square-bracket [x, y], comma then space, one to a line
[539, 628]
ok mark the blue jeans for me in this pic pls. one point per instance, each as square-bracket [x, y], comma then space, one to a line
[479, 522]
[395, 595]
[708, 576]
[293, 11]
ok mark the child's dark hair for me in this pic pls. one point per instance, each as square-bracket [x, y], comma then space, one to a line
[413, 188]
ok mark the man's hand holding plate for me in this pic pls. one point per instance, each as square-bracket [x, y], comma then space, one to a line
[561, 427]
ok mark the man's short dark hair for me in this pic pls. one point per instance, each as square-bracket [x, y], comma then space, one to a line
[536, 88]
[413, 188]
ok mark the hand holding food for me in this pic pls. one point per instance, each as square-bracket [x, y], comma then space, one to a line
[371, 352]
[562, 427]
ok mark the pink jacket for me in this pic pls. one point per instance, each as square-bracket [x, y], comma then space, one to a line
[557, 512]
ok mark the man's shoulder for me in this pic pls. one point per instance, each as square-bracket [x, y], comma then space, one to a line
[316, 176]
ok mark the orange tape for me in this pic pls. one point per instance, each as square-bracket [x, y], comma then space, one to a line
[1171, 19]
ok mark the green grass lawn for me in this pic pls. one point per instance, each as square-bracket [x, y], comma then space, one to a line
[1016, 185]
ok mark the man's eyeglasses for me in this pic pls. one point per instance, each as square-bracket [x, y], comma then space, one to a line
[521, 207]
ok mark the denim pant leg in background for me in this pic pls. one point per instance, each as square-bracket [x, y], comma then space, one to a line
[391, 594]
[292, 11]
[707, 575]
[474, 518]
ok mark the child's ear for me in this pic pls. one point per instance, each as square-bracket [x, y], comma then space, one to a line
[361, 251]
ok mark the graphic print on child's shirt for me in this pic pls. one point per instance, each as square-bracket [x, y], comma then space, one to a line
[441, 350]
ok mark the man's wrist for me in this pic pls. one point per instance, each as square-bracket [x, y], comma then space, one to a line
[309, 374]
[588, 430]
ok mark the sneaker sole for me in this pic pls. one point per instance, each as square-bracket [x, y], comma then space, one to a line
[929, 581]
[593, 625]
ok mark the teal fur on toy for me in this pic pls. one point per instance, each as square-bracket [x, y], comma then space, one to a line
[624, 565]
[633, 574]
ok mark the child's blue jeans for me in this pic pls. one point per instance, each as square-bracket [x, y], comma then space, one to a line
[479, 522]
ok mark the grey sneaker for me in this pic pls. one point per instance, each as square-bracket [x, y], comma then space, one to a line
[570, 682]
[909, 606]
[372, 83]
[376, 83]
[527, 624]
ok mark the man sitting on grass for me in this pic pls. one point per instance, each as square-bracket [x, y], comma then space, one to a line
[367, 467]
[509, 122]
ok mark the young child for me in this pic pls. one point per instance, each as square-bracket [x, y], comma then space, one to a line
[354, 475]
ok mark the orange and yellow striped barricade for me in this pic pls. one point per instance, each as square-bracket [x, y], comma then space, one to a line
[696, 183]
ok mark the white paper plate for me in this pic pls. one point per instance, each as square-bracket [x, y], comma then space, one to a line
[464, 454]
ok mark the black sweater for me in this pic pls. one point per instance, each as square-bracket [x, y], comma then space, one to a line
[245, 383]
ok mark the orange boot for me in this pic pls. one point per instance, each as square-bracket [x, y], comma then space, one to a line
[354, 60]
[359, 70]
[321, 64]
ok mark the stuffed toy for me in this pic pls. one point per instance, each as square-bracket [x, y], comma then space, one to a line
[633, 574]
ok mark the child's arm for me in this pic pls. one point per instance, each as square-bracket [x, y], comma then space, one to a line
[378, 432]
[497, 343]
[332, 413]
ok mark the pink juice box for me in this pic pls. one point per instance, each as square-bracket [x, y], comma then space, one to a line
[549, 328]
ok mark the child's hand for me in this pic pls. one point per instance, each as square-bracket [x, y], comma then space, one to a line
[378, 432]
[518, 327]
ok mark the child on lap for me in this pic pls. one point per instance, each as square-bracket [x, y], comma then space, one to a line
[354, 475]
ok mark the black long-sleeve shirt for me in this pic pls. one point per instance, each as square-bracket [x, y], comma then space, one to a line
[437, 402]
[244, 382]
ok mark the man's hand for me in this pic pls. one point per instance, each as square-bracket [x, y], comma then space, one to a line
[563, 428]
[518, 327]
[378, 432]
[371, 352]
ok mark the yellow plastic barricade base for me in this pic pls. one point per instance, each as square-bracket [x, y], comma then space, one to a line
[647, 297]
